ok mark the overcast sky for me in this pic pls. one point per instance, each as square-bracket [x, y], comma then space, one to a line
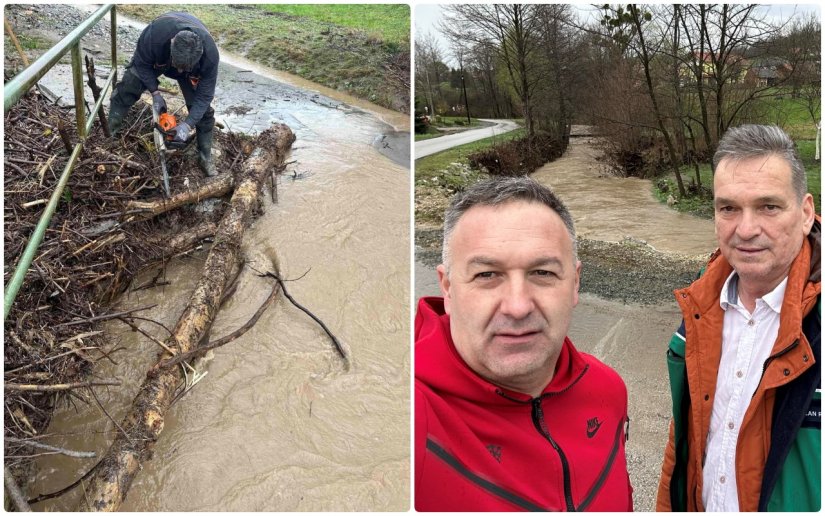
[426, 16]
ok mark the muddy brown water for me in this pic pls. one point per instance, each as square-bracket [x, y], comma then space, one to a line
[630, 338]
[609, 208]
[277, 423]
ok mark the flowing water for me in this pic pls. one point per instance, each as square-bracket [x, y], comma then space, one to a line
[609, 208]
[278, 423]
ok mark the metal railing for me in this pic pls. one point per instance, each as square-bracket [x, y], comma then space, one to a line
[18, 86]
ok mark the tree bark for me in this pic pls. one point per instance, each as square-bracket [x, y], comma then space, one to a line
[144, 422]
[215, 187]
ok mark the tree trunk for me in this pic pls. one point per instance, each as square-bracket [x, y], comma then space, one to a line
[144, 422]
[674, 161]
[215, 187]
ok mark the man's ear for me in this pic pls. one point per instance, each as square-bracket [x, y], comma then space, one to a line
[578, 282]
[809, 212]
[444, 283]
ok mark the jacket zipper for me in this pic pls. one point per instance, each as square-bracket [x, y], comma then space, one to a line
[537, 415]
[769, 360]
[538, 421]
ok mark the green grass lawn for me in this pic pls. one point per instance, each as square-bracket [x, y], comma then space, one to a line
[703, 206]
[428, 167]
[388, 22]
[427, 136]
[439, 176]
[787, 112]
[455, 121]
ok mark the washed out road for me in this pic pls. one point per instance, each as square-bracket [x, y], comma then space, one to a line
[442, 143]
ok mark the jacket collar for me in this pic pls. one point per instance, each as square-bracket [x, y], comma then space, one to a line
[804, 285]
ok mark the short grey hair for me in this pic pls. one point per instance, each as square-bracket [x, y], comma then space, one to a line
[186, 50]
[754, 141]
[499, 191]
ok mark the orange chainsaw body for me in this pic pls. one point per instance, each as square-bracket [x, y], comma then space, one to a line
[167, 123]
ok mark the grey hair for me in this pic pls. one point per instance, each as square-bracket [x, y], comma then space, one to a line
[754, 141]
[186, 50]
[498, 191]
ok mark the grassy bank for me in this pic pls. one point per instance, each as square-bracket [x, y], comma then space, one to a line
[453, 124]
[362, 50]
[702, 206]
[439, 176]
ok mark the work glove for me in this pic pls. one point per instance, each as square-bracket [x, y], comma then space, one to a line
[158, 104]
[182, 131]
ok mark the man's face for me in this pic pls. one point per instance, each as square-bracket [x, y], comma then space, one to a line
[760, 224]
[511, 292]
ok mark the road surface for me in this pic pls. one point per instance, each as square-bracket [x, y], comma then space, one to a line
[442, 143]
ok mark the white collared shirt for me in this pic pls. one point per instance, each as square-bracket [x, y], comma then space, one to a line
[747, 340]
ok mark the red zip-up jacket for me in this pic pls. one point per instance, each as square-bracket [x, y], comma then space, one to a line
[480, 447]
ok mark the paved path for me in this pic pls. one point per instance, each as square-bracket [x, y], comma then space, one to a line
[442, 143]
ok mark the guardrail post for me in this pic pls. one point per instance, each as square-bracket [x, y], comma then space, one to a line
[113, 34]
[79, 100]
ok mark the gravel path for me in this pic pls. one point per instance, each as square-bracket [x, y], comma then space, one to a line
[627, 271]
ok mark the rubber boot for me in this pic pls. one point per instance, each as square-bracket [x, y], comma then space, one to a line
[115, 121]
[205, 153]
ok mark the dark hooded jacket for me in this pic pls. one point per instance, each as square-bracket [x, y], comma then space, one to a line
[479, 447]
[152, 58]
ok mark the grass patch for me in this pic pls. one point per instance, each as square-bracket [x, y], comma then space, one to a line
[440, 175]
[702, 206]
[337, 56]
[787, 112]
[813, 169]
[430, 166]
[456, 121]
[32, 42]
[427, 136]
[388, 22]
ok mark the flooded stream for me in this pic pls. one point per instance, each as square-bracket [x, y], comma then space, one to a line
[611, 208]
[278, 423]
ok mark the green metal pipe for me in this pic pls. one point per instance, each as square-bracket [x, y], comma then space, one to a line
[113, 33]
[20, 84]
[26, 259]
[79, 98]
[93, 115]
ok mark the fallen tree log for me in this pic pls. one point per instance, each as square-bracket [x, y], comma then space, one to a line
[187, 240]
[144, 422]
[214, 187]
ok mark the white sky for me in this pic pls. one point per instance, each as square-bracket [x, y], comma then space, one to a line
[425, 17]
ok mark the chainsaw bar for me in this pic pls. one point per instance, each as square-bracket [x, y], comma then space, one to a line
[160, 145]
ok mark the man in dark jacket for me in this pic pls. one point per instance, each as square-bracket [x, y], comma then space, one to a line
[745, 364]
[178, 46]
[508, 414]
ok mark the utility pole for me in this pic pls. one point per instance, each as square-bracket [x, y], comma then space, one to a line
[466, 104]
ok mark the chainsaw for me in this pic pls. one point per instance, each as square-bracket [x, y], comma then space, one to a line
[164, 134]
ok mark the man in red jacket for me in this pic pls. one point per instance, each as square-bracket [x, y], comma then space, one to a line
[508, 414]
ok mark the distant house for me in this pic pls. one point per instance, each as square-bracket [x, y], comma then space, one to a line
[768, 71]
[735, 70]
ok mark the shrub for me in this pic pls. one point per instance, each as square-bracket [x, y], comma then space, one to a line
[422, 122]
[517, 157]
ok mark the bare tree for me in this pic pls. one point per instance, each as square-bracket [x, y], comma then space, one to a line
[482, 57]
[636, 20]
[512, 30]
[426, 53]
[558, 45]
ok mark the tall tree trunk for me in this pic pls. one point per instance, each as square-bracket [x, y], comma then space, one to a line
[674, 161]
